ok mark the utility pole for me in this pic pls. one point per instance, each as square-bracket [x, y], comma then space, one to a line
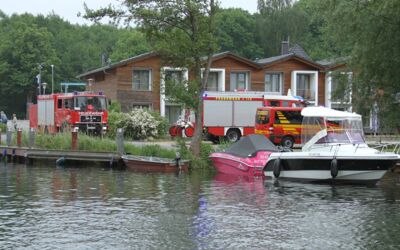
[40, 78]
[52, 78]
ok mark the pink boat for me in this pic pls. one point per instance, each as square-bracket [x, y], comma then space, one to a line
[248, 156]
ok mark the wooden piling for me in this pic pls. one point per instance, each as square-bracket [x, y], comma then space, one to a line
[19, 137]
[120, 141]
[74, 139]
[9, 137]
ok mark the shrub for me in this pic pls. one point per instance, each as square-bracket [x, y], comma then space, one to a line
[3, 127]
[113, 119]
[137, 124]
[114, 107]
[202, 162]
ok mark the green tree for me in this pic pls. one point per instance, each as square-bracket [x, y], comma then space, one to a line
[183, 32]
[23, 46]
[278, 21]
[369, 31]
[236, 32]
[131, 43]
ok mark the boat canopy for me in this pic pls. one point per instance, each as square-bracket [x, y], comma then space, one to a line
[327, 126]
[251, 144]
[327, 112]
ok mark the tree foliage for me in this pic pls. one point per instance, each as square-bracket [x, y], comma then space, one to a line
[183, 33]
[27, 41]
[236, 32]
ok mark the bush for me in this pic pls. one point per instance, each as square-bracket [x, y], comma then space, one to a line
[113, 119]
[3, 127]
[137, 124]
[202, 162]
[114, 107]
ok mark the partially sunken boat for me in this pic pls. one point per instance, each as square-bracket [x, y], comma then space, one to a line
[154, 164]
[248, 156]
[334, 150]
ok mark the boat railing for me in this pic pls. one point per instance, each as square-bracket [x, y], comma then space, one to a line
[393, 147]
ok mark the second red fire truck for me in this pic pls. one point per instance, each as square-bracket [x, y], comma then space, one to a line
[231, 114]
[83, 111]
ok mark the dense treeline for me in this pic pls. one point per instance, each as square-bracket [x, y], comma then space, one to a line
[26, 41]
[365, 33]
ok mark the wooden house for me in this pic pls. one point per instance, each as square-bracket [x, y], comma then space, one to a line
[138, 81]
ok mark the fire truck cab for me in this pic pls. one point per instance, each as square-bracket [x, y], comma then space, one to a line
[83, 111]
[281, 125]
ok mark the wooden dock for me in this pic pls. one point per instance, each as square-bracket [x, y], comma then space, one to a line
[29, 155]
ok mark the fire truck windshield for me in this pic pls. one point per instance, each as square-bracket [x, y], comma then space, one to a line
[97, 103]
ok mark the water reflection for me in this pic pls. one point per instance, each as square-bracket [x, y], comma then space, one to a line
[92, 208]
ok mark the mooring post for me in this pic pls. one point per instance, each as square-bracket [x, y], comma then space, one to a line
[19, 137]
[31, 137]
[9, 136]
[74, 142]
[120, 141]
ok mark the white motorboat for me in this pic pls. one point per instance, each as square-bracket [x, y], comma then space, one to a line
[334, 150]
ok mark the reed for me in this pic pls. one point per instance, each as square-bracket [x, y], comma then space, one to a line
[62, 141]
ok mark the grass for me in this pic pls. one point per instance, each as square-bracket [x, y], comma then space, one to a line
[62, 141]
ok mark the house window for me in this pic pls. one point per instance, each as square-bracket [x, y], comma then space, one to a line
[174, 75]
[212, 83]
[172, 112]
[304, 87]
[273, 82]
[141, 79]
[239, 80]
[141, 106]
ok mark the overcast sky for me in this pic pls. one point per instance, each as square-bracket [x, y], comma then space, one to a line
[68, 9]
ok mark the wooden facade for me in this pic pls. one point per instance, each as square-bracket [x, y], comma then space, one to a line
[116, 80]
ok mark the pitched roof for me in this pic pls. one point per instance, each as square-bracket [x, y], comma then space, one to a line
[273, 59]
[235, 56]
[122, 62]
[334, 62]
[299, 51]
[150, 54]
[276, 59]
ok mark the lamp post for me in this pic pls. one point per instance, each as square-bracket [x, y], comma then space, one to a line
[90, 83]
[44, 88]
[52, 78]
[40, 78]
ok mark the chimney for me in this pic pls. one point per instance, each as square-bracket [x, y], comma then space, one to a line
[284, 47]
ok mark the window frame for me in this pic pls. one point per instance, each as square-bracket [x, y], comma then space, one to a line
[236, 73]
[281, 75]
[150, 83]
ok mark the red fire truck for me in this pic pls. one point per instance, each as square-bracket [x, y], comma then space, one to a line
[231, 114]
[85, 111]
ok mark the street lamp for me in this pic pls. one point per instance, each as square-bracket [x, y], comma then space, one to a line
[44, 88]
[40, 77]
[90, 82]
[52, 78]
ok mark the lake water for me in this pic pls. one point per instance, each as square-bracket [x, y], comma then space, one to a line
[44, 207]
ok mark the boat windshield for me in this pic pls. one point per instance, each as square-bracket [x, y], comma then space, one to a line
[318, 130]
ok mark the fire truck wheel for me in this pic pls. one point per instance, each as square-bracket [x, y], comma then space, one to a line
[233, 135]
[287, 142]
[189, 131]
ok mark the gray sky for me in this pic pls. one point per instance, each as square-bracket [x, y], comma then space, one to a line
[68, 9]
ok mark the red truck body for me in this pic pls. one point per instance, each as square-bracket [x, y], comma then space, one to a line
[85, 111]
[232, 114]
